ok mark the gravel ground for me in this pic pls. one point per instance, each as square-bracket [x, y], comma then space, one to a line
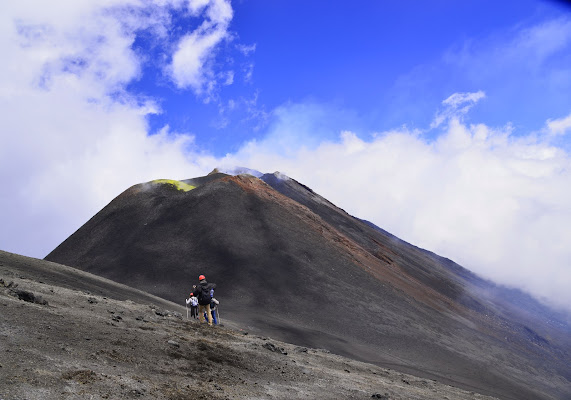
[66, 334]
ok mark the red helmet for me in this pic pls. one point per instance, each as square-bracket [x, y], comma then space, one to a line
[201, 278]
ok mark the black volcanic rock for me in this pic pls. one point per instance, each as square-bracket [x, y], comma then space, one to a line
[290, 264]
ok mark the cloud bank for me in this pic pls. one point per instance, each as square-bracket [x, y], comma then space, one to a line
[495, 202]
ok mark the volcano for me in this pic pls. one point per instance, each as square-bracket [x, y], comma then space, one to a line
[291, 265]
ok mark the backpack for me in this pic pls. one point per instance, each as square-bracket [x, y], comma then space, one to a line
[205, 294]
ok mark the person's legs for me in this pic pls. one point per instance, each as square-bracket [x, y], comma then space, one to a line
[201, 309]
[208, 314]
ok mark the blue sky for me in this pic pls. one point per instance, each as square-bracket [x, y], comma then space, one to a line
[446, 123]
[382, 64]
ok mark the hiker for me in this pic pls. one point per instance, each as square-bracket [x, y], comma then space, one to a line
[193, 301]
[214, 311]
[204, 291]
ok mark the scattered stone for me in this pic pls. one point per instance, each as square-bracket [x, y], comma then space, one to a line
[272, 347]
[29, 297]
[81, 376]
[381, 396]
[301, 349]
[92, 300]
[173, 343]
[405, 381]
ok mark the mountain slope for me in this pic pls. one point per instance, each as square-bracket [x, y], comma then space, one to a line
[292, 265]
[76, 336]
[443, 275]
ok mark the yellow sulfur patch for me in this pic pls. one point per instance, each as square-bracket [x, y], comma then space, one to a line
[178, 184]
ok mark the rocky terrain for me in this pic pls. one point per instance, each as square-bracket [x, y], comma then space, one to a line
[67, 334]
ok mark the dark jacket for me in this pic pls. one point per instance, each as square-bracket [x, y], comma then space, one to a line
[204, 291]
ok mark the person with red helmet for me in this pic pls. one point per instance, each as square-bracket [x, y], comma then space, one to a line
[204, 291]
[193, 302]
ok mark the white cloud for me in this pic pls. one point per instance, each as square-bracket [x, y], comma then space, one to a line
[559, 126]
[540, 42]
[197, 6]
[245, 49]
[228, 78]
[457, 105]
[495, 203]
[220, 11]
[248, 71]
[458, 99]
[524, 70]
[189, 67]
[71, 137]
[506, 55]
[190, 56]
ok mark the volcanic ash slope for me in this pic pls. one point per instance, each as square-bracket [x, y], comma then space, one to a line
[67, 334]
[291, 265]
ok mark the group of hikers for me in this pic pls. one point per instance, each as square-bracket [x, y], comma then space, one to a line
[202, 303]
